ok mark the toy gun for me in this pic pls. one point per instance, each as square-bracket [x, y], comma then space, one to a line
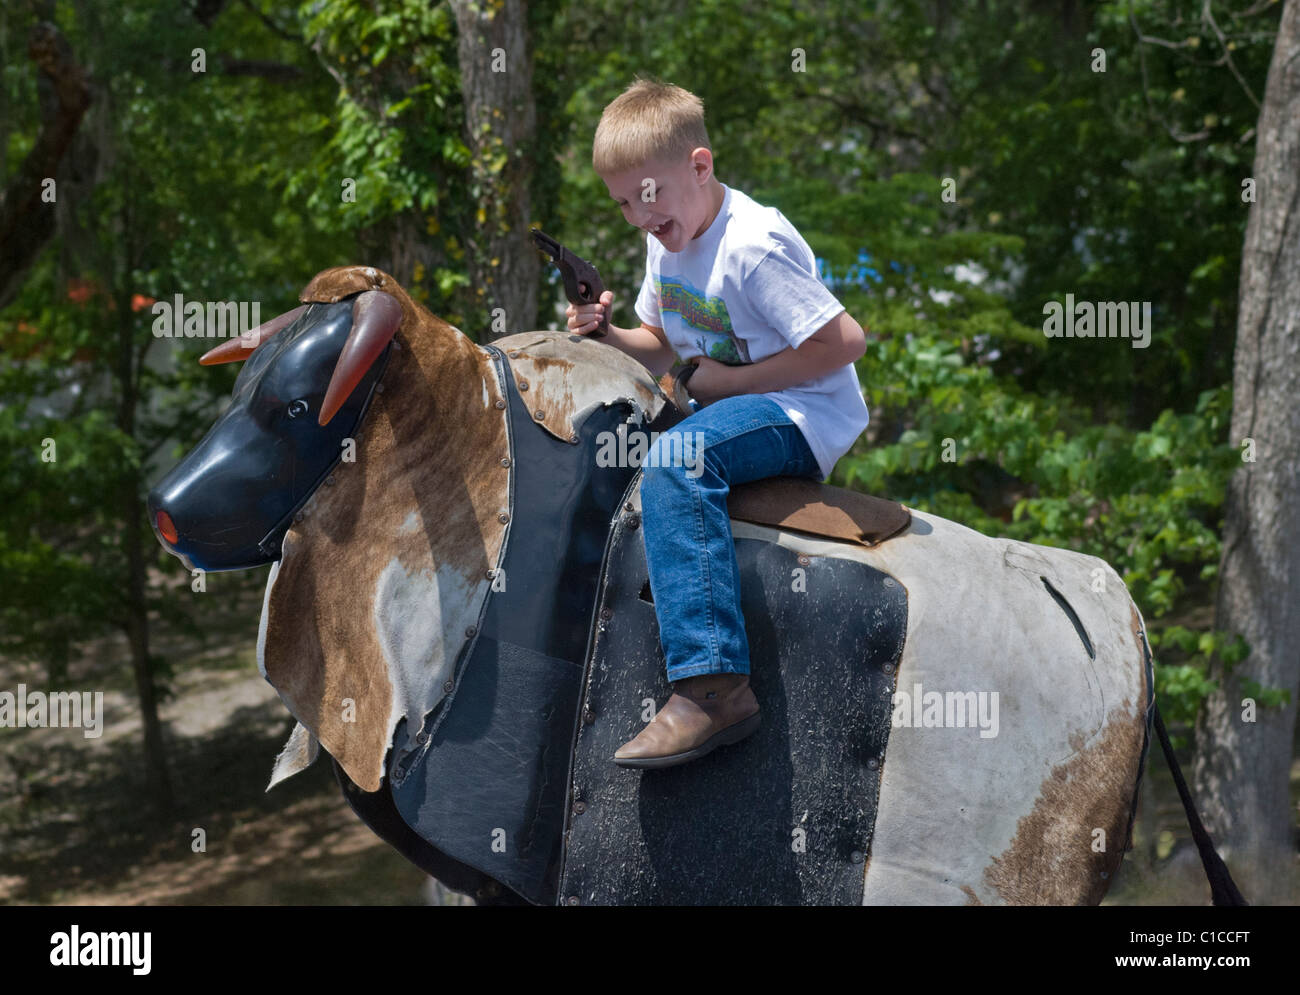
[582, 285]
[581, 281]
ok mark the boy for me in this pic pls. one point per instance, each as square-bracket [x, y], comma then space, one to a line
[732, 287]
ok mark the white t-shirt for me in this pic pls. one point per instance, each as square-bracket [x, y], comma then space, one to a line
[744, 290]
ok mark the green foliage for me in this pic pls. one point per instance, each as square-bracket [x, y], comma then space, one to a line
[857, 120]
[1267, 697]
[396, 130]
[181, 203]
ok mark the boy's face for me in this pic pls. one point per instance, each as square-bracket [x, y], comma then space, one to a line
[670, 200]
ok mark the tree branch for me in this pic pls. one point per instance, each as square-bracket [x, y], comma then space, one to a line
[275, 28]
[1146, 90]
[278, 72]
[1227, 54]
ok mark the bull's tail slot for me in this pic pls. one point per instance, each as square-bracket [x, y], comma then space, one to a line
[1072, 615]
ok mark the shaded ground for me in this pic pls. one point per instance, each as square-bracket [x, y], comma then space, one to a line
[74, 828]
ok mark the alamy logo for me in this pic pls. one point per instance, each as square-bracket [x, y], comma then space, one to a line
[97, 949]
[54, 710]
[180, 318]
[1105, 319]
[633, 449]
[923, 709]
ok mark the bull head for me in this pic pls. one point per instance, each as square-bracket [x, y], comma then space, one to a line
[303, 391]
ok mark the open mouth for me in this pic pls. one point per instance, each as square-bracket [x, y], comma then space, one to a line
[662, 230]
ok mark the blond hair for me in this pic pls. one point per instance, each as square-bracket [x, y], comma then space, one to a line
[649, 120]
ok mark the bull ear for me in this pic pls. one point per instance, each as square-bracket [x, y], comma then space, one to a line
[375, 317]
[242, 346]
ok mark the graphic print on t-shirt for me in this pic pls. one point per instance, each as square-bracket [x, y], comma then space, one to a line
[699, 319]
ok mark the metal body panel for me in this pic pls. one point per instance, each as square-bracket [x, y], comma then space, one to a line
[784, 817]
[1010, 818]
[376, 810]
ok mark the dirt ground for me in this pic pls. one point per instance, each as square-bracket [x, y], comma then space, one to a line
[74, 829]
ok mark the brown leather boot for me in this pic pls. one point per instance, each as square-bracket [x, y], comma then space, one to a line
[704, 712]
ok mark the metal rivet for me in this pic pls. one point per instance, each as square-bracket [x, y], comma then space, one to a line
[379, 388]
[579, 808]
[873, 763]
[539, 414]
[628, 506]
[588, 716]
[523, 384]
[501, 404]
[633, 521]
[329, 481]
[888, 668]
[448, 686]
[857, 856]
[492, 572]
[1104, 875]
[505, 460]
[370, 272]
[574, 437]
[889, 581]
[513, 354]
[298, 517]
[573, 899]
[803, 560]
[471, 631]
[607, 613]
[503, 518]
[422, 737]
[398, 776]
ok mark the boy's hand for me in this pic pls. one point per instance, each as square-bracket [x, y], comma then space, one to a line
[586, 318]
[711, 380]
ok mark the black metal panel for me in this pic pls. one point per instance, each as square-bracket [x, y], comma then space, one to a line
[490, 790]
[723, 829]
[493, 772]
[376, 810]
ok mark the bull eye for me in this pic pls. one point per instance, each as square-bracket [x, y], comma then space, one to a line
[298, 408]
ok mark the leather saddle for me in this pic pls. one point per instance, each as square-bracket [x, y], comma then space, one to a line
[803, 505]
[798, 504]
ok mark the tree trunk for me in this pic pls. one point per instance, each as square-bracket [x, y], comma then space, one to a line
[26, 221]
[500, 122]
[1242, 768]
[136, 622]
[157, 779]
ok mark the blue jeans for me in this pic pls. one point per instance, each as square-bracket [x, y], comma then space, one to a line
[690, 552]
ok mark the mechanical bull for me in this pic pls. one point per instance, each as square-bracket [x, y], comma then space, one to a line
[458, 612]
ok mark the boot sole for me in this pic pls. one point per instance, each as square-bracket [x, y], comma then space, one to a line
[731, 734]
